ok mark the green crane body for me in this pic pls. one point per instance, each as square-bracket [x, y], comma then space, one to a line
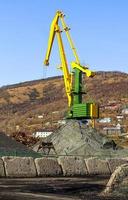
[79, 110]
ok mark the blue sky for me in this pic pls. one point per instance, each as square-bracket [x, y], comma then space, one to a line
[99, 30]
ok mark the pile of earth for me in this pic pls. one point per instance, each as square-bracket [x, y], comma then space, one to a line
[77, 138]
[10, 147]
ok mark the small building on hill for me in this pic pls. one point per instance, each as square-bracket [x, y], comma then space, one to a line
[125, 111]
[42, 134]
[105, 120]
[113, 130]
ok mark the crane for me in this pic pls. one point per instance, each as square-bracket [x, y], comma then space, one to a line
[72, 80]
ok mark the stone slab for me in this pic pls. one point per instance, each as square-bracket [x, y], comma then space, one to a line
[19, 166]
[2, 171]
[72, 165]
[116, 162]
[97, 166]
[48, 167]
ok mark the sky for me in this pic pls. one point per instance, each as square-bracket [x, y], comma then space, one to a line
[99, 30]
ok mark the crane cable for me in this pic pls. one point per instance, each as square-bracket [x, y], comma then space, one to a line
[44, 77]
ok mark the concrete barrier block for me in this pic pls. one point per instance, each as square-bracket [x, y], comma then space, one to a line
[116, 178]
[72, 165]
[115, 162]
[97, 166]
[48, 167]
[2, 171]
[19, 166]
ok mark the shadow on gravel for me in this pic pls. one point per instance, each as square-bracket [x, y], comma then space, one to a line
[54, 189]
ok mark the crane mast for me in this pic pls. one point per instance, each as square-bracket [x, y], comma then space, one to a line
[73, 81]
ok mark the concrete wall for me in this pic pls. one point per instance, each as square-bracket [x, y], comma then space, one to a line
[63, 166]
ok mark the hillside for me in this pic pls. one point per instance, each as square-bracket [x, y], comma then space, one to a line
[37, 105]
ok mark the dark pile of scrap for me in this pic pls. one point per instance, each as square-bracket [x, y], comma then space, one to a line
[10, 147]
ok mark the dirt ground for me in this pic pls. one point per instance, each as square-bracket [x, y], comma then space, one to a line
[88, 188]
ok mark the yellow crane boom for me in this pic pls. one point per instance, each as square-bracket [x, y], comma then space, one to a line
[73, 91]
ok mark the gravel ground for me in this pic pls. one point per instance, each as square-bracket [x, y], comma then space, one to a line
[87, 188]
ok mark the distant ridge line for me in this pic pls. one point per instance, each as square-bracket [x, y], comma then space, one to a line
[32, 82]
